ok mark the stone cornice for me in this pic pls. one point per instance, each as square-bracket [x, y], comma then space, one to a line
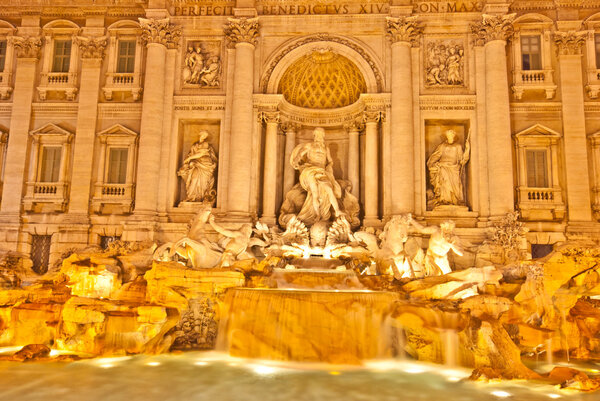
[27, 47]
[493, 27]
[160, 31]
[569, 43]
[403, 29]
[242, 30]
[91, 47]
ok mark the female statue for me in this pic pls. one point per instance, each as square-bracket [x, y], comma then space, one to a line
[198, 171]
[445, 171]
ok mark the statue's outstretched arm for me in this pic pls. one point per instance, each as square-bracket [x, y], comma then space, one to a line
[221, 230]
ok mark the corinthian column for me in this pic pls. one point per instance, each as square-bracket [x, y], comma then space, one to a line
[243, 33]
[289, 174]
[353, 158]
[270, 167]
[28, 53]
[158, 34]
[372, 167]
[404, 33]
[92, 52]
[492, 32]
[569, 45]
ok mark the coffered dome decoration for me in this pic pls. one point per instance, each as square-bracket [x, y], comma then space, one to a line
[322, 80]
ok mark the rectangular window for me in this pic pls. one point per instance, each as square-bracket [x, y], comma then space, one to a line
[537, 168]
[531, 53]
[117, 166]
[50, 164]
[597, 48]
[40, 253]
[62, 56]
[2, 55]
[126, 56]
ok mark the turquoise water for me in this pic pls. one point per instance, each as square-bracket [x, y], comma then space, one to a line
[215, 377]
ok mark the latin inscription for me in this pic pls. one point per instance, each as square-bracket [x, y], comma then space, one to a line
[289, 7]
[199, 108]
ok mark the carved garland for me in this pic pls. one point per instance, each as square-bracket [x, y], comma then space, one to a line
[160, 31]
[27, 47]
[569, 43]
[91, 47]
[493, 27]
[322, 37]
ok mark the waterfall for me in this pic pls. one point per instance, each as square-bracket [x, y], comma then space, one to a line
[307, 325]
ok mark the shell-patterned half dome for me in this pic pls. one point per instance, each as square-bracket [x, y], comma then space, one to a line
[322, 80]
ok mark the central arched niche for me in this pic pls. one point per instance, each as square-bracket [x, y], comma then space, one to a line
[322, 79]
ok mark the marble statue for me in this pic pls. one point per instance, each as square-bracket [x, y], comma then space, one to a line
[318, 196]
[446, 165]
[198, 171]
[441, 241]
[199, 252]
[201, 68]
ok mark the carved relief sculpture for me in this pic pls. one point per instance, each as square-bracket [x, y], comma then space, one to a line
[446, 165]
[445, 64]
[198, 171]
[202, 64]
[318, 196]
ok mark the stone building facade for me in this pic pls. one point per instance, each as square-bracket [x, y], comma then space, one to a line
[102, 103]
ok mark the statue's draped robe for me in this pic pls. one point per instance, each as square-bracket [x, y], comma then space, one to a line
[316, 175]
[445, 172]
[198, 172]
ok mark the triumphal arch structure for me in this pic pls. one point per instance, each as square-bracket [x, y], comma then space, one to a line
[123, 120]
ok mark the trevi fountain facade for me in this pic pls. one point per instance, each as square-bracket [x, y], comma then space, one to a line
[330, 181]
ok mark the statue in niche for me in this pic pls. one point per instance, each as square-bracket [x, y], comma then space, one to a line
[202, 66]
[446, 165]
[445, 64]
[198, 171]
[318, 196]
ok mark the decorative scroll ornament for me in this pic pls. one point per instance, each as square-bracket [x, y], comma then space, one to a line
[403, 29]
[160, 31]
[91, 47]
[569, 43]
[493, 27]
[240, 30]
[373, 116]
[27, 47]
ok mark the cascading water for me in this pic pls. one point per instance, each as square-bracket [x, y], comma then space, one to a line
[306, 325]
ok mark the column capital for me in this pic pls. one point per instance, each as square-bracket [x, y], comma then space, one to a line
[493, 27]
[569, 43]
[403, 29]
[242, 30]
[27, 47]
[288, 126]
[269, 117]
[160, 31]
[353, 126]
[373, 116]
[91, 47]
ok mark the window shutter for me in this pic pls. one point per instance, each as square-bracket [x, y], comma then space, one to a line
[50, 170]
[597, 43]
[537, 168]
[62, 56]
[126, 56]
[117, 166]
